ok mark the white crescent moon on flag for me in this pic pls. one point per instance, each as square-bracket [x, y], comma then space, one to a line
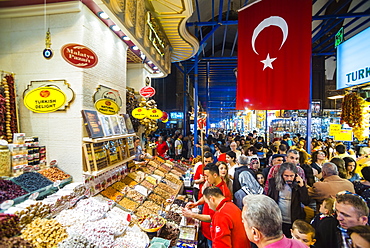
[271, 21]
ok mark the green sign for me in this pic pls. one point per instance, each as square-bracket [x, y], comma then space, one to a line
[339, 37]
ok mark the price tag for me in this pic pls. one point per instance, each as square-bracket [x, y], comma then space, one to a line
[87, 192]
[33, 196]
[57, 183]
[73, 202]
[53, 163]
[7, 204]
[129, 217]
[119, 198]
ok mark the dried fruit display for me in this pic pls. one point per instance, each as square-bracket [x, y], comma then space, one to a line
[131, 103]
[121, 187]
[173, 179]
[147, 185]
[355, 115]
[32, 212]
[141, 211]
[54, 174]
[9, 225]
[171, 232]
[112, 194]
[136, 196]
[157, 199]
[167, 188]
[151, 222]
[128, 204]
[44, 233]
[128, 181]
[32, 181]
[9, 123]
[15, 242]
[10, 190]
[177, 173]
[162, 193]
[352, 110]
[151, 205]
[150, 125]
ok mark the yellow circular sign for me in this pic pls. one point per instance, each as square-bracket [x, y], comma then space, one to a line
[107, 106]
[44, 99]
[154, 114]
[139, 113]
[166, 120]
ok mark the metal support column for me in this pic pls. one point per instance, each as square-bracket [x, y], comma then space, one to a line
[208, 97]
[185, 101]
[309, 115]
[195, 104]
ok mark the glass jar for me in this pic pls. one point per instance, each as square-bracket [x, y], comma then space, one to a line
[5, 165]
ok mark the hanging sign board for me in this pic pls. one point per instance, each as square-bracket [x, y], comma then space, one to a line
[44, 99]
[154, 114]
[139, 113]
[353, 58]
[147, 91]
[334, 129]
[79, 55]
[106, 107]
[107, 93]
[344, 135]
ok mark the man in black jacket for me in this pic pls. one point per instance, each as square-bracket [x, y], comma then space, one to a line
[288, 189]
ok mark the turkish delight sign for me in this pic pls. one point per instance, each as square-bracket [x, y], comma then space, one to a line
[44, 99]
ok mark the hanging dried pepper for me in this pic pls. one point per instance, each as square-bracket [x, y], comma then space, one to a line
[352, 108]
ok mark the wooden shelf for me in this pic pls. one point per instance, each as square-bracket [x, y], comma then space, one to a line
[98, 140]
[99, 172]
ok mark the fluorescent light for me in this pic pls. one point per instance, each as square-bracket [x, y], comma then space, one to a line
[135, 48]
[155, 67]
[150, 62]
[336, 97]
[103, 15]
[115, 28]
[125, 37]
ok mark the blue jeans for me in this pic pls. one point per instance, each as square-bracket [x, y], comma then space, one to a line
[209, 243]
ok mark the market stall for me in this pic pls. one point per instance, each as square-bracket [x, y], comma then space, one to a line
[140, 208]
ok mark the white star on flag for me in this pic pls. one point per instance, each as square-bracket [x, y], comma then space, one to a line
[268, 62]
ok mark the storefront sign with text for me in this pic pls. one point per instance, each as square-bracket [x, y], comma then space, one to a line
[139, 113]
[147, 91]
[44, 99]
[107, 107]
[79, 55]
[154, 114]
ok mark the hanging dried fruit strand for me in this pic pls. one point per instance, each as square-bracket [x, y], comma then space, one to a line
[353, 111]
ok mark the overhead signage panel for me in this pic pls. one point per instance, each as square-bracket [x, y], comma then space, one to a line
[353, 61]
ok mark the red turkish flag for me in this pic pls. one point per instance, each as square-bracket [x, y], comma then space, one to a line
[274, 55]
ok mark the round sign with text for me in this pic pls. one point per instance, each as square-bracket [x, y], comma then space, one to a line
[139, 113]
[107, 107]
[154, 114]
[44, 99]
[147, 91]
[79, 55]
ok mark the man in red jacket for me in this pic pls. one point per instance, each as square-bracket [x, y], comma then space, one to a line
[212, 175]
[227, 228]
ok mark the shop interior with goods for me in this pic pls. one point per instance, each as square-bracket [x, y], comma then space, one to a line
[293, 122]
[119, 202]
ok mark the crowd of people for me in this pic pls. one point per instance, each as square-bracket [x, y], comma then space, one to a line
[252, 193]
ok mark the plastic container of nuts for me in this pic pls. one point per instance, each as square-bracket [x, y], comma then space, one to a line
[151, 223]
